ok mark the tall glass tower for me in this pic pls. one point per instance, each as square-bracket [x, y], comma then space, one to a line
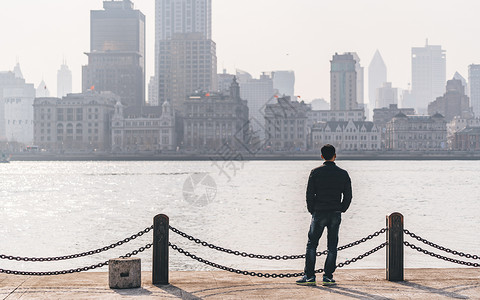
[116, 61]
[185, 55]
[428, 75]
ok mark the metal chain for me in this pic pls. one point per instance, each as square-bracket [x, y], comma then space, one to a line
[268, 275]
[96, 251]
[418, 238]
[460, 262]
[270, 257]
[77, 270]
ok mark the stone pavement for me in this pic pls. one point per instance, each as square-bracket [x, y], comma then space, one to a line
[352, 284]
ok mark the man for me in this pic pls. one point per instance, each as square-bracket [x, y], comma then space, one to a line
[326, 185]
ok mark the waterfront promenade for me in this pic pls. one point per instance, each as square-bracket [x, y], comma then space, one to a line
[463, 283]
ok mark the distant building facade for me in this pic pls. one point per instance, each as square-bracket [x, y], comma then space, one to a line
[284, 82]
[16, 108]
[149, 128]
[185, 54]
[346, 135]
[474, 86]
[286, 125]
[258, 92]
[360, 80]
[187, 63]
[416, 133]
[42, 90]
[315, 116]
[453, 103]
[467, 139]
[77, 122]
[116, 61]
[377, 75]
[153, 91]
[428, 75]
[64, 81]
[381, 116]
[343, 82]
[215, 120]
[458, 124]
[224, 80]
[386, 95]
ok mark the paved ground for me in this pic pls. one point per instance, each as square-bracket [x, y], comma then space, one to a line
[352, 284]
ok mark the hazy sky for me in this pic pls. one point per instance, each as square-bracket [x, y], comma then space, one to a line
[258, 35]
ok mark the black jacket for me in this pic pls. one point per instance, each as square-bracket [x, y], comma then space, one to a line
[326, 185]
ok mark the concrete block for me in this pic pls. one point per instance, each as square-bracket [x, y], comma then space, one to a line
[124, 273]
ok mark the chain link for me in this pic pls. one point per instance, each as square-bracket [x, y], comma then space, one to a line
[271, 257]
[96, 251]
[432, 254]
[426, 242]
[77, 270]
[268, 275]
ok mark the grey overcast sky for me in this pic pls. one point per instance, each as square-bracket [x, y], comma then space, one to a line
[258, 35]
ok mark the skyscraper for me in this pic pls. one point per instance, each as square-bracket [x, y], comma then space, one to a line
[185, 55]
[188, 63]
[474, 86]
[428, 75]
[64, 81]
[258, 93]
[182, 16]
[360, 79]
[116, 61]
[343, 82]
[386, 95]
[377, 75]
[16, 107]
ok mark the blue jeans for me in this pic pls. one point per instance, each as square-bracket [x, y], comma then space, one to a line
[320, 220]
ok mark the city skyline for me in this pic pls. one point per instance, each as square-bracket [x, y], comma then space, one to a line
[296, 38]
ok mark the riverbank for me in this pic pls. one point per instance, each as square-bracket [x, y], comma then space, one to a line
[352, 284]
[443, 155]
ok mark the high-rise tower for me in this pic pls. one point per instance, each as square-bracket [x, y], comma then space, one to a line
[182, 16]
[343, 82]
[428, 75]
[185, 55]
[474, 87]
[116, 61]
[377, 75]
[64, 81]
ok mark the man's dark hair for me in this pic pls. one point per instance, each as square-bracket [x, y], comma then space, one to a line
[328, 151]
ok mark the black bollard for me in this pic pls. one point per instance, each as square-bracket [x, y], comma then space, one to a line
[160, 250]
[395, 247]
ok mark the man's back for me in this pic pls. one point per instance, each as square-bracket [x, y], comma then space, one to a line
[326, 185]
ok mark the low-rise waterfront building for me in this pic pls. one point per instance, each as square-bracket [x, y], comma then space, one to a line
[346, 135]
[286, 125]
[381, 116]
[458, 124]
[148, 128]
[77, 122]
[416, 133]
[212, 120]
[467, 139]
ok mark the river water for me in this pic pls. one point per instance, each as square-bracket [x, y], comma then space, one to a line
[60, 208]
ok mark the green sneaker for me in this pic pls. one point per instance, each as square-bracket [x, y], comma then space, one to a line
[328, 281]
[306, 281]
